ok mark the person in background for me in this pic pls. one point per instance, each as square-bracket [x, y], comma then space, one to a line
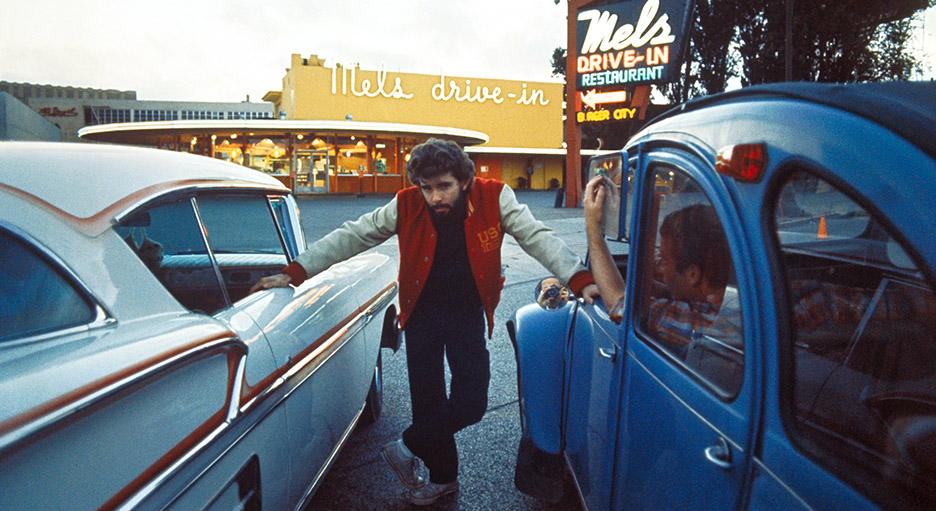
[451, 227]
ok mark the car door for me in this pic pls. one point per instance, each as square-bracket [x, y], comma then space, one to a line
[206, 250]
[314, 330]
[593, 387]
[683, 437]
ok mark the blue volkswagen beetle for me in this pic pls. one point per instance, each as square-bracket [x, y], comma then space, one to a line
[809, 382]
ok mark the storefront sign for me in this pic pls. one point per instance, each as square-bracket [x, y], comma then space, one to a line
[55, 112]
[344, 80]
[603, 106]
[631, 42]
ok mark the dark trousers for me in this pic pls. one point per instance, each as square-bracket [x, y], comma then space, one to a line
[459, 338]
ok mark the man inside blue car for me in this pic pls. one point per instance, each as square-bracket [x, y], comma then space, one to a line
[693, 266]
[451, 228]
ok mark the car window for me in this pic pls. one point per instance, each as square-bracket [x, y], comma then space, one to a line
[168, 239]
[864, 338]
[281, 211]
[173, 239]
[243, 233]
[689, 304]
[35, 296]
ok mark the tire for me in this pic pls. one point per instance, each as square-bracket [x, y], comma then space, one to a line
[374, 403]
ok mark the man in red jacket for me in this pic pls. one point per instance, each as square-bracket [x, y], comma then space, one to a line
[450, 228]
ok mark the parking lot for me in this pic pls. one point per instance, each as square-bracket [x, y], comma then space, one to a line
[360, 479]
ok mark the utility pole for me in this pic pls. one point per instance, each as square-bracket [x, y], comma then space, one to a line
[788, 57]
[573, 137]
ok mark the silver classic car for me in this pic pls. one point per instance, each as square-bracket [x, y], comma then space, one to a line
[136, 370]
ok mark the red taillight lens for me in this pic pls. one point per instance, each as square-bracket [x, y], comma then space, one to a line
[744, 162]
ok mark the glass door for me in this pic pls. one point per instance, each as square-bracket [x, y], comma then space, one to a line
[311, 171]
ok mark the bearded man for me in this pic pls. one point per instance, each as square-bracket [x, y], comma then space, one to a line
[451, 227]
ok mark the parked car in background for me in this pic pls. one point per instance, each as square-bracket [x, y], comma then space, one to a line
[812, 383]
[136, 370]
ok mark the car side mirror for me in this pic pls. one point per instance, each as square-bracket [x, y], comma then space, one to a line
[550, 294]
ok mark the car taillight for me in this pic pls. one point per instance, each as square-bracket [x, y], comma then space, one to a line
[744, 162]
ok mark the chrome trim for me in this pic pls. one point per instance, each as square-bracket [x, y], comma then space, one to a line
[317, 480]
[382, 301]
[295, 224]
[323, 353]
[242, 414]
[211, 255]
[38, 425]
[239, 375]
[150, 487]
[328, 348]
[279, 232]
[261, 400]
[101, 321]
[219, 185]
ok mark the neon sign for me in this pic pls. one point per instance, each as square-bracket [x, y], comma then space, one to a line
[614, 50]
[602, 106]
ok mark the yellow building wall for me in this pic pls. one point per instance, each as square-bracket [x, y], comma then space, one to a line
[512, 113]
[545, 169]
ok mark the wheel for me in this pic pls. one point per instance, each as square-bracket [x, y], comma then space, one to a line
[374, 403]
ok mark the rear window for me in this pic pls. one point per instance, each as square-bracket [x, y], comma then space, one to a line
[36, 297]
[864, 341]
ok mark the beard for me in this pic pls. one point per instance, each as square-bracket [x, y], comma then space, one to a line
[449, 214]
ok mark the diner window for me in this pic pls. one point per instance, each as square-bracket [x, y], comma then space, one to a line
[107, 115]
[863, 326]
[36, 297]
[154, 115]
[690, 306]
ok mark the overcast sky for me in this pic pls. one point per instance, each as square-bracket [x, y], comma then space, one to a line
[223, 50]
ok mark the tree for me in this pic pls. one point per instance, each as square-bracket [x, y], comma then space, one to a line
[559, 62]
[843, 41]
[709, 63]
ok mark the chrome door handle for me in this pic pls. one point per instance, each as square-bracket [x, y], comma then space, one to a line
[609, 353]
[719, 454]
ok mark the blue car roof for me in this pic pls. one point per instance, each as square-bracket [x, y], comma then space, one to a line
[906, 108]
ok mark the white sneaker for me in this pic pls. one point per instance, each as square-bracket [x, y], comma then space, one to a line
[405, 467]
[432, 492]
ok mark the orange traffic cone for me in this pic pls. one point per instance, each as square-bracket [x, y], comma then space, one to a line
[822, 234]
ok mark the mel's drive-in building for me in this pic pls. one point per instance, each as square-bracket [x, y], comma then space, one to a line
[334, 127]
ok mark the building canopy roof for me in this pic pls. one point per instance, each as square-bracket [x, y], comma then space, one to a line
[149, 133]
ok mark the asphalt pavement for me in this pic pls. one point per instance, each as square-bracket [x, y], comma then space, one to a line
[360, 480]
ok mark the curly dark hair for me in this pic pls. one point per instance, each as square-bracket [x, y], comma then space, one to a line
[698, 239]
[435, 157]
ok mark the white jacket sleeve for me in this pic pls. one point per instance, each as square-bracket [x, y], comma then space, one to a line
[536, 239]
[352, 238]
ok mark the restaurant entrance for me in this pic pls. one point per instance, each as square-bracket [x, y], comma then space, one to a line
[312, 171]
